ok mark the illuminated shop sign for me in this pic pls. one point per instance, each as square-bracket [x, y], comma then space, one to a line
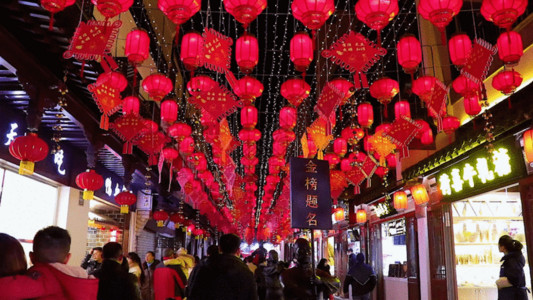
[396, 227]
[12, 134]
[58, 161]
[384, 209]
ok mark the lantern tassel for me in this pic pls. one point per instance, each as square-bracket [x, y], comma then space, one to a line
[104, 122]
[379, 37]
[88, 195]
[385, 111]
[509, 104]
[124, 209]
[26, 167]
[82, 71]
[176, 36]
[443, 36]
[51, 24]
[313, 34]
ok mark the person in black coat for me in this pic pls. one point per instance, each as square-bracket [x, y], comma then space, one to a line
[272, 272]
[360, 276]
[93, 260]
[148, 266]
[115, 281]
[512, 281]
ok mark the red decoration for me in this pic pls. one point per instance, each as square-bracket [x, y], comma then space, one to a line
[402, 108]
[186, 145]
[28, 149]
[329, 100]
[426, 138]
[55, 6]
[400, 200]
[376, 14]
[216, 54]
[287, 118]
[151, 144]
[340, 147]
[365, 114]
[403, 131]
[345, 87]
[424, 87]
[301, 51]
[89, 181]
[160, 217]
[464, 86]
[179, 11]
[503, 13]
[113, 79]
[338, 213]
[480, 60]
[108, 101]
[137, 46]
[248, 88]
[360, 216]
[439, 12]
[460, 47]
[130, 105]
[218, 102]
[157, 86]
[528, 145]
[249, 117]
[128, 127]
[245, 11]
[125, 199]
[384, 89]
[437, 103]
[450, 124]
[312, 13]
[247, 52]
[191, 48]
[92, 40]
[249, 135]
[510, 47]
[295, 91]
[111, 8]
[507, 81]
[382, 171]
[409, 53]
[472, 105]
[169, 111]
[200, 84]
[391, 160]
[420, 194]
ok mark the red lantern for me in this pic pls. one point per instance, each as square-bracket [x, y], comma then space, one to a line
[249, 135]
[502, 13]
[423, 86]
[28, 149]
[287, 118]
[340, 147]
[113, 79]
[179, 11]
[353, 134]
[248, 88]
[360, 216]
[400, 200]
[301, 51]
[391, 160]
[464, 86]
[190, 228]
[186, 145]
[157, 86]
[89, 181]
[420, 194]
[200, 84]
[426, 138]
[409, 53]
[55, 6]
[130, 105]
[338, 214]
[111, 8]
[169, 154]
[249, 117]
[177, 219]
[439, 12]
[345, 87]
[450, 124]
[365, 114]
[402, 108]
[246, 52]
[137, 46]
[125, 199]
[423, 126]
[346, 164]
[472, 105]
[528, 145]
[312, 13]
[333, 159]
[510, 47]
[169, 111]
[295, 91]
[160, 217]
[149, 126]
[382, 171]
[507, 81]
[191, 46]
[384, 89]
[459, 48]
[245, 11]
[376, 14]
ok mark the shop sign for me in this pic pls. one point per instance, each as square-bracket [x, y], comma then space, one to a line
[144, 200]
[482, 171]
[12, 134]
[310, 194]
[384, 209]
[109, 190]
[58, 161]
[396, 227]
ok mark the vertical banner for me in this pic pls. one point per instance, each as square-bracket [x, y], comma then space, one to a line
[310, 194]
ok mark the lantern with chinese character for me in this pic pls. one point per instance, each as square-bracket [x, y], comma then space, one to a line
[450, 124]
[365, 114]
[248, 88]
[420, 194]
[400, 200]
[439, 12]
[409, 53]
[340, 147]
[384, 89]
[245, 11]
[89, 181]
[301, 51]
[312, 13]
[287, 118]
[507, 81]
[246, 52]
[459, 48]
[510, 47]
[360, 216]
[472, 105]
[28, 149]
[55, 6]
[111, 8]
[137, 46]
[402, 108]
[191, 46]
[160, 217]
[169, 111]
[463, 86]
[338, 214]
[113, 79]
[179, 11]
[528, 145]
[157, 86]
[295, 91]
[125, 200]
[503, 13]
[130, 105]
[376, 14]
[249, 117]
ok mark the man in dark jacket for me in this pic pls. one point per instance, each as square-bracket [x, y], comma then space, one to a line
[224, 276]
[115, 281]
[149, 264]
[93, 261]
[169, 279]
[360, 276]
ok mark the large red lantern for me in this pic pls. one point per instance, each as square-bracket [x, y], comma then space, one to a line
[353, 134]
[472, 105]
[439, 12]
[301, 51]
[365, 114]
[249, 117]
[179, 131]
[423, 86]
[169, 111]
[376, 14]
[245, 11]
[125, 200]
[360, 216]
[248, 88]
[28, 149]
[312, 13]
[160, 217]
[111, 8]
[249, 135]
[450, 124]
[288, 117]
[402, 108]
[200, 84]
[409, 53]
[179, 11]
[295, 91]
[464, 86]
[130, 105]
[399, 200]
[191, 46]
[340, 147]
[510, 47]
[113, 79]
[507, 81]
[55, 6]
[89, 181]
[528, 145]
[459, 48]
[384, 89]
[391, 160]
[186, 145]
[246, 52]
[137, 46]
[420, 194]
[338, 214]
[503, 13]
[157, 86]
[345, 87]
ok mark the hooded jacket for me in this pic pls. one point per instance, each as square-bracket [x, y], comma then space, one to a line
[513, 268]
[360, 276]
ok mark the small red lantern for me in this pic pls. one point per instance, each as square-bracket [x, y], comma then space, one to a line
[200, 84]
[376, 14]
[333, 159]
[137, 46]
[464, 86]
[346, 164]
[301, 51]
[365, 114]
[249, 117]
[130, 105]
[450, 124]
[113, 79]
[89, 181]
[111, 8]
[149, 126]
[510, 48]
[503, 13]
[179, 11]
[191, 46]
[472, 105]
[160, 217]
[169, 111]
[399, 200]
[426, 138]
[245, 11]
[248, 88]
[288, 117]
[340, 147]
[249, 135]
[312, 13]
[345, 87]
[423, 86]
[246, 52]
[186, 145]
[420, 194]
[459, 48]
[295, 91]
[409, 53]
[338, 214]
[177, 219]
[384, 89]
[439, 12]
[382, 171]
[169, 154]
[353, 134]
[55, 6]
[507, 81]
[157, 86]
[125, 200]
[190, 228]
[528, 145]
[391, 160]
[28, 149]
[402, 108]
[360, 216]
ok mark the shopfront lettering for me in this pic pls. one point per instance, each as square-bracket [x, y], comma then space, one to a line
[11, 134]
[58, 161]
[108, 183]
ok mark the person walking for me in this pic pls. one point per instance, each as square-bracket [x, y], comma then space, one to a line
[512, 282]
[148, 266]
[169, 278]
[272, 272]
[360, 277]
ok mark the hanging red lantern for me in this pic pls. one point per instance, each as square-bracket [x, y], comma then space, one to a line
[423, 126]
[149, 126]
[439, 12]
[346, 164]
[340, 146]
[423, 87]
[409, 53]
[160, 217]
[55, 6]
[169, 154]
[507, 81]
[157, 86]
[426, 138]
[472, 105]
[288, 117]
[186, 145]
[381, 171]
[28, 149]
[384, 89]
[247, 52]
[89, 181]
[248, 88]
[503, 13]
[130, 105]
[125, 200]
[528, 145]
[464, 86]
[353, 134]
[137, 46]
[249, 135]
[365, 114]
[510, 48]
[402, 108]
[169, 111]
[177, 219]
[360, 216]
[249, 117]
[333, 159]
[420, 194]
[376, 14]
[295, 91]
[391, 160]
[191, 47]
[245, 11]
[111, 8]
[200, 84]
[113, 79]
[400, 200]
[450, 124]
[301, 51]
[459, 48]
[345, 87]
[338, 214]
[179, 11]
[312, 13]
